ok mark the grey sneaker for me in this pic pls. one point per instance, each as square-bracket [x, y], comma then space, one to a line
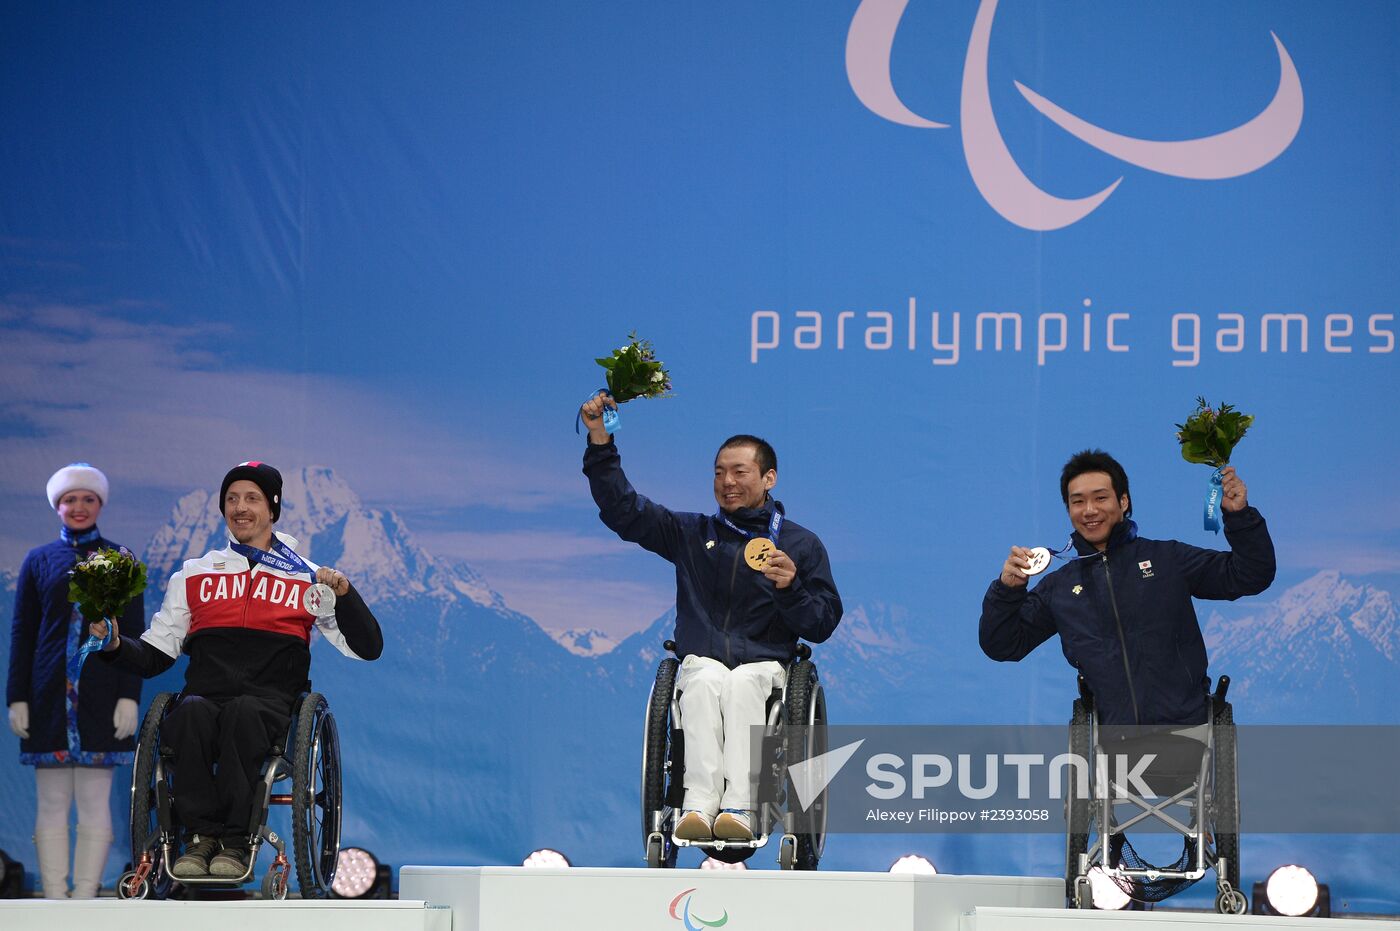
[194, 862]
[230, 863]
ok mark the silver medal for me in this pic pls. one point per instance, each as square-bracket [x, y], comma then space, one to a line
[319, 599]
[1039, 558]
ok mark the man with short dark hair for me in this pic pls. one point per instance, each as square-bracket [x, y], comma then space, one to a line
[244, 614]
[737, 625]
[1122, 604]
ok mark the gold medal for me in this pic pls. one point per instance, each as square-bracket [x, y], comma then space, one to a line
[756, 552]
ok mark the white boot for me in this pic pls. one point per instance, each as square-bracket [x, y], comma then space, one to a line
[52, 844]
[89, 860]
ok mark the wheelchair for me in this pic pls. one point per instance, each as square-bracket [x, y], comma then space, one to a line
[794, 729]
[309, 756]
[1199, 786]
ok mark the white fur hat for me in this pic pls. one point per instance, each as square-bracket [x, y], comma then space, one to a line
[77, 476]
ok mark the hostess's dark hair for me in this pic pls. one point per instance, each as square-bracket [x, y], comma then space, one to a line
[767, 459]
[1095, 460]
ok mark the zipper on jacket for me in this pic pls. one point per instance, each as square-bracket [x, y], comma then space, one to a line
[729, 609]
[1122, 641]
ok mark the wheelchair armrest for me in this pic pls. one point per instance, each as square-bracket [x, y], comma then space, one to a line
[669, 646]
[804, 651]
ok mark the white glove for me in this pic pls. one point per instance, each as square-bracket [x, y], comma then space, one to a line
[19, 719]
[124, 718]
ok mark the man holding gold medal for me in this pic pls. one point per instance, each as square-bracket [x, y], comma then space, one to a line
[1122, 603]
[749, 583]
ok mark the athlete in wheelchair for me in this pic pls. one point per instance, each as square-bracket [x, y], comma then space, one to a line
[749, 583]
[207, 759]
[1122, 607]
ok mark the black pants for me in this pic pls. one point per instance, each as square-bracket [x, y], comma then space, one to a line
[219, 745]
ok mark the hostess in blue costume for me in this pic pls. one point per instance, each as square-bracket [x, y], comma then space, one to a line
[72, 737]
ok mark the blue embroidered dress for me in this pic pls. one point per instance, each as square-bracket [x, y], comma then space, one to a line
[66, 727]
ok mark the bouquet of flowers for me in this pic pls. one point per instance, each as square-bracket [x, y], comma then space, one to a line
[103, 584]
[1209, 436]
[634, 372]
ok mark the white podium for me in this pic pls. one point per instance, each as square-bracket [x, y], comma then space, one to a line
[589, 899]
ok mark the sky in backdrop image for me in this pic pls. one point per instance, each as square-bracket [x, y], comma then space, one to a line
[927, 257]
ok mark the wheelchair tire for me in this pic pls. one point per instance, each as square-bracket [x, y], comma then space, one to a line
[145, 817]
[806, 708]
[656, 752]
[1225, 800]
[1077, 809]
[316, 800]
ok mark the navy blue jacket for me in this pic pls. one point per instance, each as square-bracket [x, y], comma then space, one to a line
[724, 609]
[1125, 616]
[42, 639]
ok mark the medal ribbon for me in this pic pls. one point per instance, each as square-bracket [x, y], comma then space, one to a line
[612, 421]
[775, 525]
[1213, 493]
[93, 645]
[281, 557]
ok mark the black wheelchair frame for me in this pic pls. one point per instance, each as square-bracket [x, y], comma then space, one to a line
[1212, 803]
[800, 703]
[309, 755]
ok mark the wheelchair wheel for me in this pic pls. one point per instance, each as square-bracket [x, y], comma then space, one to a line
[145, 814]
[1225, 807]
[315, 798]
[1076, 809]
[661, 764]
[274, 885]
[806, 707]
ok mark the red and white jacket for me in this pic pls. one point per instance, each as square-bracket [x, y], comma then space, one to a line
[221, 590]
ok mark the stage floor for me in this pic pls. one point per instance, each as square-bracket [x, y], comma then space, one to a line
[439, 898]
[292, 915]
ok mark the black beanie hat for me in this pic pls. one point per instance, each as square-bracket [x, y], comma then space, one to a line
[261, 474]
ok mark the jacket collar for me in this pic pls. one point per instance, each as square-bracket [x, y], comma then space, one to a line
[1125, 532]
[286, 538]
[756, 519]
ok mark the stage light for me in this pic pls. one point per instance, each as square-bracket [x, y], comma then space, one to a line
[358, 875]
[915, 864]
[711, 863]
[1108, 895]
[11, 877]
[1294, 892]
[546, 857]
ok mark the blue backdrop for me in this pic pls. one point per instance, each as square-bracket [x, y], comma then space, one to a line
[928, 252]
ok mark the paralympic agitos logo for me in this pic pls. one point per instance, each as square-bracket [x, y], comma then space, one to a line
[694, 922]
[1229, 154]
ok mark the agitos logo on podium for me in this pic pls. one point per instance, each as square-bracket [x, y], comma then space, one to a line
[694, 922]
[1229, 154]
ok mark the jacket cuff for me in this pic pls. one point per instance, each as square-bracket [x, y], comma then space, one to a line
[1242, 519]
[1003, 592]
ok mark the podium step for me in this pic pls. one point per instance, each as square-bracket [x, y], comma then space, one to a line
[590, 899]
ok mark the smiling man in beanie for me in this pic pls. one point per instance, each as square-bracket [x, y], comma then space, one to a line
[244, 615]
